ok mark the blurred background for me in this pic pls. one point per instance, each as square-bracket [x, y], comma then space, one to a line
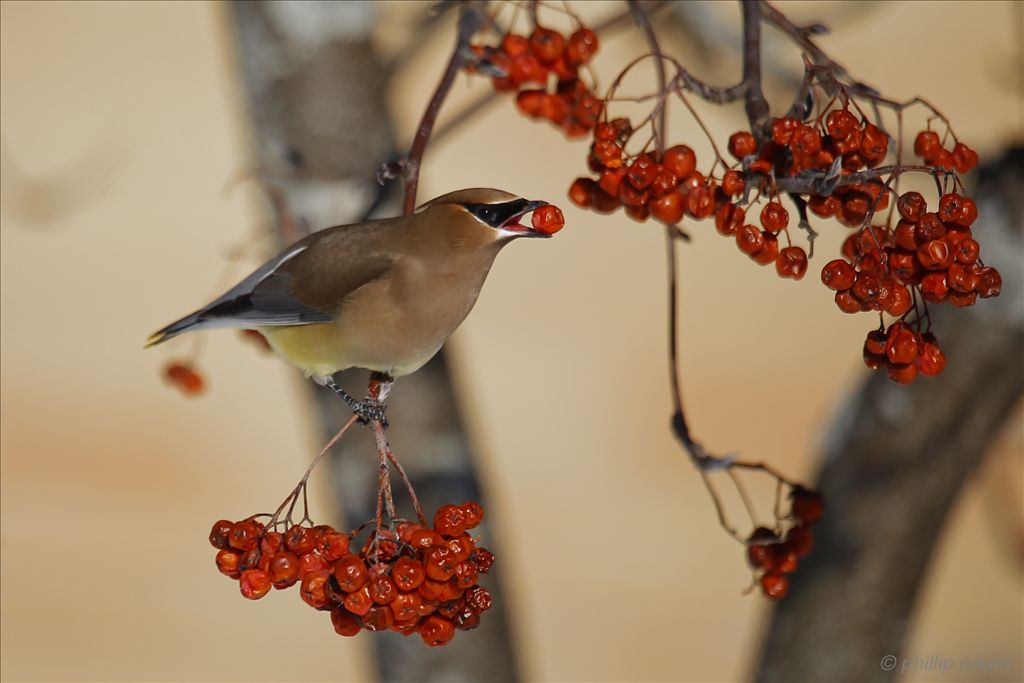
[138, 141]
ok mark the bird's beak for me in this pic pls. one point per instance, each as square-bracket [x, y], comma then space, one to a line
[517, 229]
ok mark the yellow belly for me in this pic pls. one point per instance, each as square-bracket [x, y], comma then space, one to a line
[322, 350]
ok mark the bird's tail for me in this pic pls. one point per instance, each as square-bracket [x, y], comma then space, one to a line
[174, 329]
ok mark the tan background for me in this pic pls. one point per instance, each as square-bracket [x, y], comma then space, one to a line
[121, 124]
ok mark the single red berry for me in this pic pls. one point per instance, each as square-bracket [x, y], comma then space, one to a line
[807, 505]
[579, 192]
[548, 220]
[930, 359]
[838, 275]
[774, 586]
[782, 558]
[681, 160]
[479, 598]
[840, 123]
[729, 218]
[466, 574]
[310, 562]
[758, 553]
[934, 287]
[436, 630]
[782, 130]
[733, 183]
[219, 533]
[769, 253]
[358, 602]
[630, 196]
[245, 535]
[546, 44]
[284, 569]
[378, 619]
[825, 207]
[668, 209]
[964, 157]
[875, 343]
[874, 144]
[642, 171]
[805, 142]
[927, 145]
[439, 563]
[792, 262]
[846, 302]
[332, 545]
[449, 520]
[990, 282]
[774, 217]
[228, 562]
[344, 623]
[483, 559]
[383, 589]
[700, 202]
[406, 606]
[902, 374]
[911, 206]
[408, 573]
[254, 584]
[900, 301]
[300, 539]
[800, 540]
[582, 46]
[742, 144]
[901, 344]
[350, 571]
[313, 589]
[749, 239]
[664, 183]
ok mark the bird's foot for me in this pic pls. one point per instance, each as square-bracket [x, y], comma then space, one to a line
[368, 410]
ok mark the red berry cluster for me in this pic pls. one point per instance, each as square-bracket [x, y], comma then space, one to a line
[775, 555]
[930, 252]
[185, 377]
[928, 146]
[903, 353]
[414, 579]
[548, 55]
[668, 186]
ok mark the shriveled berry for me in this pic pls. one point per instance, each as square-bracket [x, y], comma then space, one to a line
[901, 344]
[911, 205]
[934, 287]
[378, 619]
[483, 559]
[774, 217]
[436, 630]
[728, 218]
[220, 532]
[344, 623]
[313, 589]
[254, 584]
[846, 302]
[990, 282]
[840, 123]
[244, 535]
[358, 602]
[479, 598]
[791, 263]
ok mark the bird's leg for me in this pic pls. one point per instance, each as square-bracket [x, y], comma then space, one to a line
[372, 408]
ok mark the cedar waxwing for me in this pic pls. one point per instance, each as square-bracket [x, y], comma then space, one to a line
[382, 295]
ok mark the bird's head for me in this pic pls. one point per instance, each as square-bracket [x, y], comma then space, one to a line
[483, 215]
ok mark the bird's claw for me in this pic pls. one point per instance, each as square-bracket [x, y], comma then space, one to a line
[369, 411]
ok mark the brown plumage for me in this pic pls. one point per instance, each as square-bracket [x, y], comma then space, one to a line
[382, 295]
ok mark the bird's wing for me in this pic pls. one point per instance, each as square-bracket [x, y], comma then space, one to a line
[303, 285]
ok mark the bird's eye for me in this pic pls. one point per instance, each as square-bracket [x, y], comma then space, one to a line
[486, 214]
